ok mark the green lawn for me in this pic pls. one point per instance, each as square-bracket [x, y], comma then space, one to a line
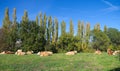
[59, 62]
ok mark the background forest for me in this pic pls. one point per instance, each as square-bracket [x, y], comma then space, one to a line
[42, 34]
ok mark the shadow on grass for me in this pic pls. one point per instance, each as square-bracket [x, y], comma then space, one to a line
[115, 69]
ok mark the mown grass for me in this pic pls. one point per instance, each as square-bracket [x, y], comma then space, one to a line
[59, 62]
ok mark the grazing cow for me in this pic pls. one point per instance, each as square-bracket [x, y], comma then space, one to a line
[71, 53]
[110, 52]
[116, 52]
[29, 52]
[98, 52]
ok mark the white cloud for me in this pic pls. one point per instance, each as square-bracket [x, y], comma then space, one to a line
[111, 6]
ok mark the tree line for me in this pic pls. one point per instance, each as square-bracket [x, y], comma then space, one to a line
[42, 35]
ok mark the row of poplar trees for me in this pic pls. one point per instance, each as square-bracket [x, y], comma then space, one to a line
[42, 34]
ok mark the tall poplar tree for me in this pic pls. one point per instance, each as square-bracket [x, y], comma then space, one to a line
[71, 28]
[63, 28]
[53, 31]
[41, 21]
[36, 20]
[45, 27]
[83, 45]
[87, 33]
[49, 34]
[105, 29]
[79, 30]
[56, 29]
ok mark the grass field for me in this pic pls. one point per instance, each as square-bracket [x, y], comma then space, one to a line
[60, 62]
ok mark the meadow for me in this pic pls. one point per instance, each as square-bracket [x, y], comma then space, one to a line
[60, 62]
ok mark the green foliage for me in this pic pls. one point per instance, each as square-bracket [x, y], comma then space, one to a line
[56, 29]
[35, 38]
[45, 27]
[114, 36]
[105, 29]
[6, 29]
[41, 20]
[100, 40]
[67, 42]
[63, 28]
[49, 29]
[71, 28]
[42, 34]
[37, 20]
[2, 40]
[79, 30]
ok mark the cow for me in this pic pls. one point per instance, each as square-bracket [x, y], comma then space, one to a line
[29, 52]
[109, 51]
[116, 52]
[3, 52]
[71, 53]
[98, 52]
[19, 52]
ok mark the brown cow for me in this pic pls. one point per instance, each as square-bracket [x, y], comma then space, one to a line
[109, 51]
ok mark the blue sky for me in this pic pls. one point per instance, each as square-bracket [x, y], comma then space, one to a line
[105, 12]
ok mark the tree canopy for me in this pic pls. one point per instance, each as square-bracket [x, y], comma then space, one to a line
[47, 33]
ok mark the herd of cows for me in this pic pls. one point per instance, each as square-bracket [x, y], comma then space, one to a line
[109, 52]
[49, 53]
[42, 53]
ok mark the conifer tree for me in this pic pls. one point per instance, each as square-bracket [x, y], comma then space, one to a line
[14, 30]
[6, 22]
[24, 31]
[6, 29]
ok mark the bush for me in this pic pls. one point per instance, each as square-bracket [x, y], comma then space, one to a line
[89, 50]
